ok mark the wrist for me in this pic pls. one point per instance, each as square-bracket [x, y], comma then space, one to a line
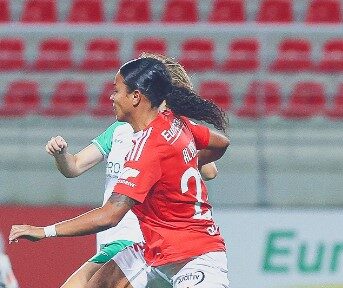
[50, 231]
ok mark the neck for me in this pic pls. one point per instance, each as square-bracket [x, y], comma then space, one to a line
[142, 119]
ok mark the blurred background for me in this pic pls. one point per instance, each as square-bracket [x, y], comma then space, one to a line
[276, 67]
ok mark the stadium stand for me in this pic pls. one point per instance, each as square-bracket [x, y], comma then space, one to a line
[262, 99]
[227, 11]
[69, 99]
[4, 11]
[332, 59]
[218, 92]
[152, 45]
[275, 11]
[103, 107]
[133, 11]
[197, 54]
[255, 54]
[86, 11]
[39, 11]
[54, 54]
[324, 11]
[101, 54]
[293, 55]
[335, 111]
[11, 54]
[184, 11]
[243, 56]
[307, 100]
[22, 97]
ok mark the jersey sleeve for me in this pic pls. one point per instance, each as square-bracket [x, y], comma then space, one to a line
[200, 133]
[141, 171]
[104, 140]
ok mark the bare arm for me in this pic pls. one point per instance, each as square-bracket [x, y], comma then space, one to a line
[91, 222]
[216, 148]
[72, 165]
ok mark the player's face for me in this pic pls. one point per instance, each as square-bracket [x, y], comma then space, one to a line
[121, 99]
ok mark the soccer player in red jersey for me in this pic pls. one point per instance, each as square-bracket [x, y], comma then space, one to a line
[161, 183]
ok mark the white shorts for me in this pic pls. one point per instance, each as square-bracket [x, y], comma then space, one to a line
[205, 271]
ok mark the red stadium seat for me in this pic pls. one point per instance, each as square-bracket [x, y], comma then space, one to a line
[307, 100]
[293, 55]
[243, 56]
[180, 11]
[11, 54]
[86, 11]
[324, 11]
[104, 107]
[262, 99]
[152, 45]
[335, 112]
[101, 54]
[217, 92]
[133, 11]
[197, 54]
[275, 11]
[4, 11]
[43, 11]
[69, 99]
[54, 54]
[227, 11]
[22, 97]
[332, 60]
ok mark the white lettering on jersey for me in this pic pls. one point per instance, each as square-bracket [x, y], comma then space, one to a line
[174, 132]
[126, 173]
[189, 152]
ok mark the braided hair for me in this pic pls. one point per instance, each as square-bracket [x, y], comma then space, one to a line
[152, 77]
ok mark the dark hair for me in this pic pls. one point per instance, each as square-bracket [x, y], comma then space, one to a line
[151, 77]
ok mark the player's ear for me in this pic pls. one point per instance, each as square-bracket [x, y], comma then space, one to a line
[136, 97]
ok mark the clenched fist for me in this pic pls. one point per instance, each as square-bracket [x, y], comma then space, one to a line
[56, 145]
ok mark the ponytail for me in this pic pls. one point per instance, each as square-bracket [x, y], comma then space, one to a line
[185, 102]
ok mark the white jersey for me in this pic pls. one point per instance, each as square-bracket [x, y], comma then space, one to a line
[7, 279]
[114, 144]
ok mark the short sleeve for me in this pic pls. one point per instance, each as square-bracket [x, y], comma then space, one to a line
[104, 140]
[200, 133]
[141, 171]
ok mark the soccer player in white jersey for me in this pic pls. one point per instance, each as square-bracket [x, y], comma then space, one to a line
[113, 145]
[7, 278]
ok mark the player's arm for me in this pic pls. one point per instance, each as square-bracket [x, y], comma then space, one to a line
[93, 221]
[72, 165]
[217, 146]
[208, 171]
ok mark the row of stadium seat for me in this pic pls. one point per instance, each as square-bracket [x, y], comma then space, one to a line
[262, 98]
[139, 11]
[197, 54]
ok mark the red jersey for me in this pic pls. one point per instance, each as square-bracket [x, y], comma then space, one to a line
[161, 173]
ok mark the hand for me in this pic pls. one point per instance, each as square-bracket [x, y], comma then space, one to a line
[56, 145]
[27, 232]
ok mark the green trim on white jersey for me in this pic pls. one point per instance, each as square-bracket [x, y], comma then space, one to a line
[104, 140]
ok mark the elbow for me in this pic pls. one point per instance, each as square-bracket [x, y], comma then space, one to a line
[69, 175]
[109, 218]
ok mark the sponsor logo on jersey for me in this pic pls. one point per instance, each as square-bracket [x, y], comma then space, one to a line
[117, 141]
[193, 278]
[174, 132]
[126, 173]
